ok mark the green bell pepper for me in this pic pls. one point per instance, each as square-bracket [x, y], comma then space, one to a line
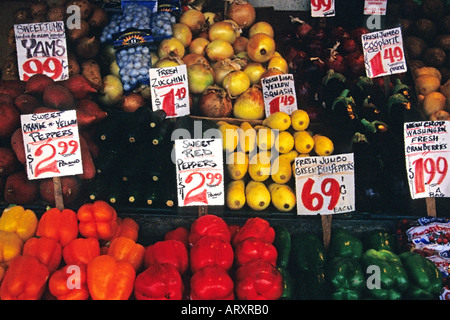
[386, 277]
[380, 239]
[346, 278]
[426, 281]
[288, 284]
[307, 267]
[344, 244]
[282, 243]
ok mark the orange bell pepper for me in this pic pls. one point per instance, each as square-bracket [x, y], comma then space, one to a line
[47, 250]
[97, 220]
[10, 247]
[126, 249]
[2, 273]
[80, 251]
[69, 283]
[109, 279]
[61, 225]
[128, 227]
[19, 220]
[25, 279]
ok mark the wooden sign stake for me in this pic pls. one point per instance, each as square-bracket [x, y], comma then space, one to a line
[326, 229]
[57, 189]
[202, 211]
[431, 206]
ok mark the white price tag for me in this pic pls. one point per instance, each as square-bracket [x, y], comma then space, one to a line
[199, 167]
[377, 7]
[325, 185]
[383, 53]
[170, 90]
[52, 144]
[322, 8]
[427, 152]
[279, 94]
[41, 49]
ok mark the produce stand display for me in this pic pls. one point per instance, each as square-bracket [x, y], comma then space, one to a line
[132, 211]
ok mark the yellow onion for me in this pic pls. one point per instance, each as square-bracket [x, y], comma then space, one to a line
[240, 45]
[236, 83]
[261, 47]
[250, 104]
[261, 27]
[169, 61]
[171, 46]
[278, 62]
[215, 103]
[219, 49]
[226, 30]
[254, 71]
[222, 68]
[198, 45]
[182, 33]
[200, 76]
[242, 12]
[194, 19]
[192, 58]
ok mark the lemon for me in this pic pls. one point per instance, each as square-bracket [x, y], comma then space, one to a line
[299, 120]
[247, 137]
[285, 142]
[259, 167]
[265, 139]
[235, 194]
[303, 142]
[257, 195]
[237, 165]
[323, 146]
[282, 196]
[279, 120]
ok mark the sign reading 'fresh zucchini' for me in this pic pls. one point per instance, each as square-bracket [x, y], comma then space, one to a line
[325, 185]
[199, 168]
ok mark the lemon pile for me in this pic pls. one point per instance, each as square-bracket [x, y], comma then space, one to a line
[260, 159]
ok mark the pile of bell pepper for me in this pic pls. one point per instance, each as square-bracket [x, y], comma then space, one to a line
[93, 254]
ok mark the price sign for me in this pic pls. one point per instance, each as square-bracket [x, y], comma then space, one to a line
[325, 185]
[52, 144]
[41, 49]
[377, 7]
[279, 93]
[383, 53]
[427, 153]
[322, 8]
[170, 90]
[199, 167]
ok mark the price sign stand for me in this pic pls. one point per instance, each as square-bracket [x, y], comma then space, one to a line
[52, 147]
[325, 186]
[426, 153]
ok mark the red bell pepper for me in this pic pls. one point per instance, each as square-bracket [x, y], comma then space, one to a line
[47, 250]
[234, 229]
[255, 228]
[80, 251]
[211, 225]
[253, 249]
[97, 220]
[172, 252]
[127, 227]
[180, 234]
[159, 282]
[109, 279]
[61, 225]
[258, 280]
[126, 249]
[69, 283]
[212, 283]
[25, 279]
[211, 251]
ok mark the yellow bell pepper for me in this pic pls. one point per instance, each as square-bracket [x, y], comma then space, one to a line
[19, 220]
[10, 247]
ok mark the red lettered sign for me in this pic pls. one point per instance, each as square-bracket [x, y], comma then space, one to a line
[427, 155]
[52, 144]
[322, 8]
[279, 93]
[41, 49]
[325, 185]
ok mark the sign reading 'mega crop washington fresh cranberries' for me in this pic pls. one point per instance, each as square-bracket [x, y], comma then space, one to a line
[199, 167]
[427, 153]
[52, 144]
[41, 49]
[325, 185]
[383, 53]
[170, 90]
[279, 93]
